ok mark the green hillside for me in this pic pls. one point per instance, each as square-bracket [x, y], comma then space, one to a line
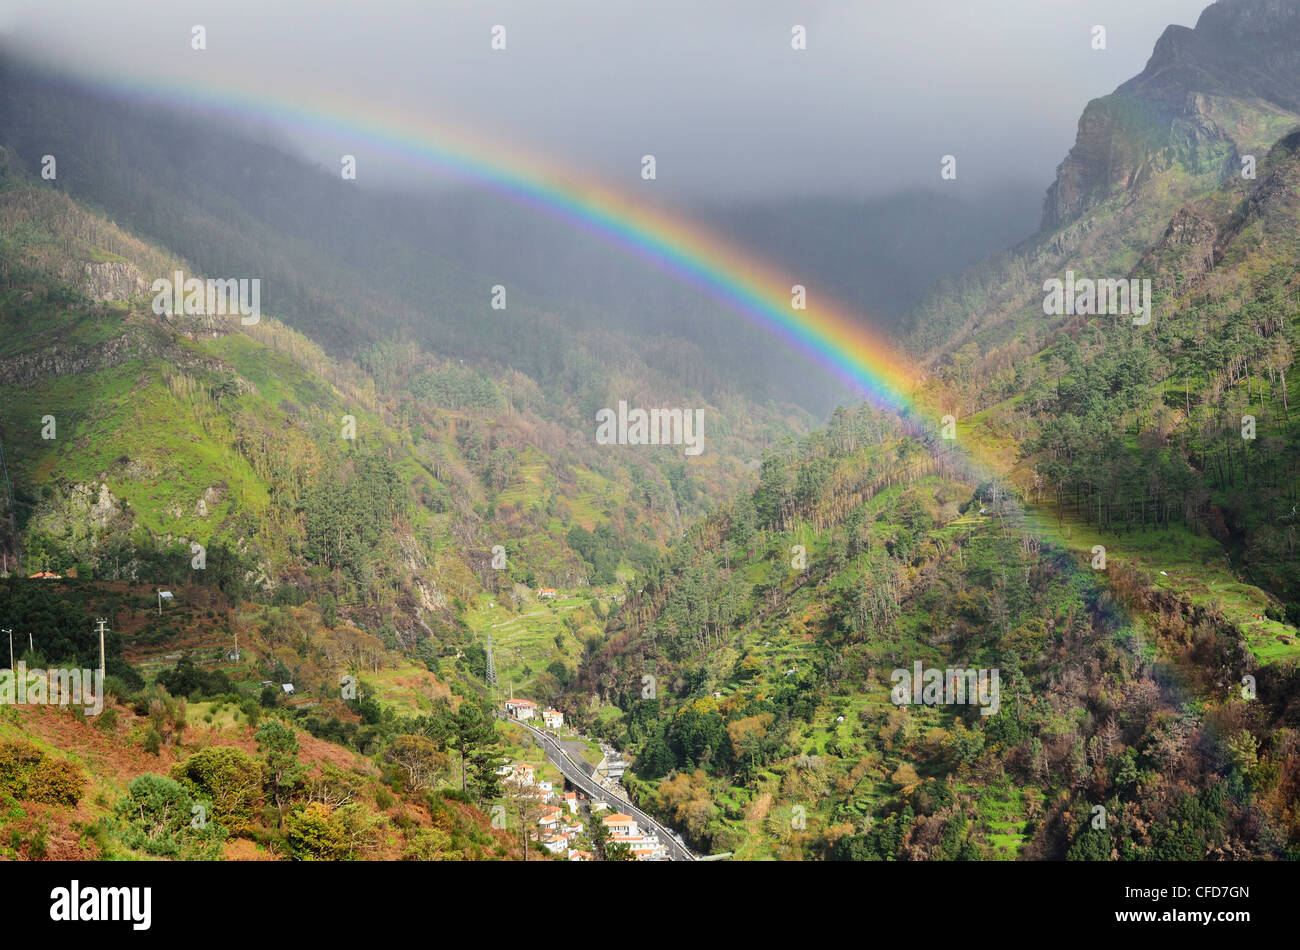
[1131, 573]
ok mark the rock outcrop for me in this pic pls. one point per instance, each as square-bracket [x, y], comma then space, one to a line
[1207, 96]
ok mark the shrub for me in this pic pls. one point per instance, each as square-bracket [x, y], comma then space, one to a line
[312, 836]
[38, 843]
[429, 844]
[17, 760]
[28, 774]
[230, 778]
[157, 816]
[56, 782]
[189, 680]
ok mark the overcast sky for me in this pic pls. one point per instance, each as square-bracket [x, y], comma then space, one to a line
[711, 87]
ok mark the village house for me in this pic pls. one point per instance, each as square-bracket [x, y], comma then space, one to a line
[644, 846]
[521, 708]
[557, 843]
[642, 849]
[553, 718]
[620, 824]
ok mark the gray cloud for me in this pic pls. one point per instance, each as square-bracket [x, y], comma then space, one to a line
[712, 89]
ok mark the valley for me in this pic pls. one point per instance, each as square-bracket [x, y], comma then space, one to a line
[1012, 577]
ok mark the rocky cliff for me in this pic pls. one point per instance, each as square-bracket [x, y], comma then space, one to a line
[1207, 96]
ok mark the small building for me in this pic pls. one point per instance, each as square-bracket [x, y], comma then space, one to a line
[642, 848]
[521, 708]
[556, 844]
[546, 593]
[553, 718]
[619, 824]
[287, 688]
[571, 799]
[576, 855]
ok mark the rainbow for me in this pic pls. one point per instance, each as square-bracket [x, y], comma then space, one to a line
[825, 332]
[829, 334]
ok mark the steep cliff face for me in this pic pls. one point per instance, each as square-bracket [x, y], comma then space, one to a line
[1201, 233]
[109, 280]
[1207, 96]
[1208, 99]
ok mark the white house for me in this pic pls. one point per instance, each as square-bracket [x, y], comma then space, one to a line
[553, 718]
[556, 844]
[620, 824]
[642, 848]
[521, 708]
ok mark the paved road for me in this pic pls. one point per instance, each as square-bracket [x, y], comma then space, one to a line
[577, 774]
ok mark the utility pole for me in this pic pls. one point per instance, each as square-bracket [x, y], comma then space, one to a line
[13, 525]
[11, 647]
[101, 621]
[523, 824]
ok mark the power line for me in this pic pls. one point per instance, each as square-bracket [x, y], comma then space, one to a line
[491, 669]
